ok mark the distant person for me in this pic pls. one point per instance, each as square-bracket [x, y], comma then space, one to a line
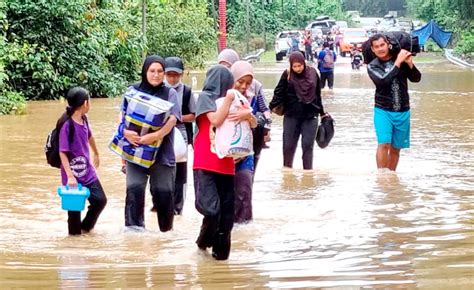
[326, 60]
[294, 43]
[227, 57]
[299, 93]
[356, 58]
[77, 166]
[174, 68]
[308, 44]
[392, 103]
[337, 43]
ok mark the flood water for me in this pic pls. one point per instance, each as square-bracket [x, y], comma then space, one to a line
[343, 225]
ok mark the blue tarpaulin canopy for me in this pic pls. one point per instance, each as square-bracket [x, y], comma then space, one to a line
[431, 29]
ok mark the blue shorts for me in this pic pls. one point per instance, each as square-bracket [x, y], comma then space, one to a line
[392, 128]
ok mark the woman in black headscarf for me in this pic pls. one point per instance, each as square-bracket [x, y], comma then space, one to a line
[298, 93]
[162, 172]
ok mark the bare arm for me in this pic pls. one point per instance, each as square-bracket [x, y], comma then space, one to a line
[93, 146]
[71, 180]
[189, 118]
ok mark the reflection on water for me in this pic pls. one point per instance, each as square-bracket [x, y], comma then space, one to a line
[343, 225]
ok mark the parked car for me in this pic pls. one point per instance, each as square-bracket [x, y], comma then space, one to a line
[342, 25]
[323, 23]
[283, 40]
[352, 37]
[406, 25]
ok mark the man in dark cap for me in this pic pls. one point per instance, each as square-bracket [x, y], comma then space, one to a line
[174, 69]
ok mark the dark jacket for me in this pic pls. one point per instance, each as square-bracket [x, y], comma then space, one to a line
[391, 85]
[285, 94]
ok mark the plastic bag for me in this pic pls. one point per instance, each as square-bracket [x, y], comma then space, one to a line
[234, 139]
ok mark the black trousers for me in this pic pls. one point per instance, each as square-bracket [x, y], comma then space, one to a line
[329, 76]
[97, 202]
[180, 186]
[215, 200]
[162, 181]
[292, 129]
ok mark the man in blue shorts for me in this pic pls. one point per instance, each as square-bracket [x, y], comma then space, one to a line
[392, 103]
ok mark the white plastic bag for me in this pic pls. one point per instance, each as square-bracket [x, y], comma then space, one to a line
[180, 146]
[234, 139]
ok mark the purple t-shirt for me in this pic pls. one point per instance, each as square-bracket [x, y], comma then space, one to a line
[77, 152]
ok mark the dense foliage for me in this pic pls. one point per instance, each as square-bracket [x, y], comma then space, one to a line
[46, 47]
[370, 8]
[452, 15]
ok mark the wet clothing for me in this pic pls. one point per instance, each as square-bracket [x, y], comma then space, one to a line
[215, 200]
[391, 85]
[77, 151]
[299, 119]
[161, 173]
[97, 202]
[243, 183]
[213, 177]
[392, 128]
[188, 106]
[78, 155]
[162, 179]
[293, 127]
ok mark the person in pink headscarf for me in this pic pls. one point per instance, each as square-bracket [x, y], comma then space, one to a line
[244, 168]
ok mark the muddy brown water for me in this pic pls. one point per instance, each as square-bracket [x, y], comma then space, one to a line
[343, 225]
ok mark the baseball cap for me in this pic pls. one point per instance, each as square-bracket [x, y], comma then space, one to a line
[174, 64]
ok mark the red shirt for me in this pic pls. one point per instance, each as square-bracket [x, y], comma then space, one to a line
[203, 157]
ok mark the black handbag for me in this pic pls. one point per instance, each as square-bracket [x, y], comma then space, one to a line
[325, 131]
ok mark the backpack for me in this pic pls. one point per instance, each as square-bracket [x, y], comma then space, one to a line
[328, 60]
[51, 148]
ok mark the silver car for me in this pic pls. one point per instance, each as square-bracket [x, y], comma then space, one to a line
[283, 43]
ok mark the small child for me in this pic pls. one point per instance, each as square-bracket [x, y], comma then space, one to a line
[75, 137]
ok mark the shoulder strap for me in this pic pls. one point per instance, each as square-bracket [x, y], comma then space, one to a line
[186, 99]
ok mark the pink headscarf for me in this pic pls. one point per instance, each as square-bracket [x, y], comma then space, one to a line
[229, 56]
[240, 69]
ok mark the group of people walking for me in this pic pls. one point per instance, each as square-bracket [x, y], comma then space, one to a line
[223, 186]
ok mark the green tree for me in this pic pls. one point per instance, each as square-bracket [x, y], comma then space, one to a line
[181, 28]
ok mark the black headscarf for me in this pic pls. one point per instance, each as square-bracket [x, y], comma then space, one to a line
[304, 82]
[144, 85]
[219, 79]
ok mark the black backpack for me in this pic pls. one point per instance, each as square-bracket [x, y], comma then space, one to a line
[397, 40]
[51, 148]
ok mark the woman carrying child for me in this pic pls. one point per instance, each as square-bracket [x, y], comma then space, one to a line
[75, 137]
[214, 177]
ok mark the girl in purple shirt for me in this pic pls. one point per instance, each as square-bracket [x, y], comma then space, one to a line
[75, 137]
